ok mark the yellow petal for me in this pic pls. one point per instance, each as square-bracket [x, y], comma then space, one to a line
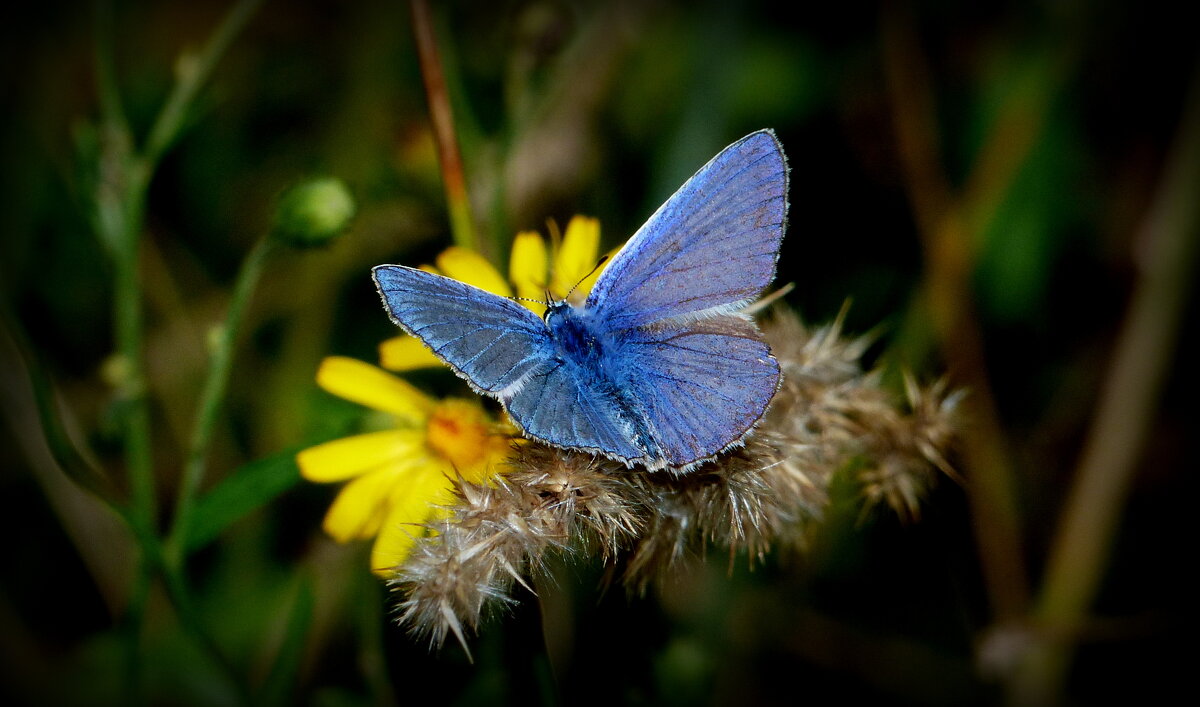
[527, 270]
[406, 353]
[430, 269]
[392, 546]
[352, 456]
[425, 486]
[465, 265]
[577, 255]
[487, 470]
[360, 508]
[368, 385]
[412, 503]
[585, 286]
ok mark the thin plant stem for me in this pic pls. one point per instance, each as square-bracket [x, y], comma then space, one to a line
[138, 453]
[153, 563]
[106, 75]
[462, 224]
[191, 74]
[215, 384]
[128, 285]
[131, 629]
[557, 619]
[132, 387]
[371, 655]
[120, 202]
[1080, 553]
[280, 685]
[193, 623]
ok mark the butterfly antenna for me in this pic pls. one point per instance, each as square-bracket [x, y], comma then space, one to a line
[530, 299]
[601, 261]
[545, 303]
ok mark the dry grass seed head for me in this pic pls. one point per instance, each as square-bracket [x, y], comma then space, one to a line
[827, 415]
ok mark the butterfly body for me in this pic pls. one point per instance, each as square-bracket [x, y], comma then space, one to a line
[597, 358]
[658, 367]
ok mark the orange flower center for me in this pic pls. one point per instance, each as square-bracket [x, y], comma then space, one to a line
[459, 432]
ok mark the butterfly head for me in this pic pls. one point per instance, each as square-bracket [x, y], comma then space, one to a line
[555, 309]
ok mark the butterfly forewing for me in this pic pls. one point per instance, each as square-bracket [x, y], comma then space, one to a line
[711, 246]
[506, 352]
[558, 406]
[493, 342]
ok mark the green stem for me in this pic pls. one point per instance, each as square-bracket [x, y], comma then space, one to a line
[120, 203]
[106, 75]
[193, 623]
[131, 629]
[219, 368]
[372, 654]
[191, 73]
[152, 563]
[131, 390]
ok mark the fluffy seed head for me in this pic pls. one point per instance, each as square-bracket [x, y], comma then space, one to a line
[829, 415]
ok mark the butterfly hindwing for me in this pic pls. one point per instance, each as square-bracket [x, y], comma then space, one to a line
[701, 373]
[560, 407]
[701, 386]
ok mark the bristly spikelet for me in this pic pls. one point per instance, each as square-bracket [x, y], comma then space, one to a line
[586, 490]
[748, 501]
[909, 450]
[828, 416]
[549, 500]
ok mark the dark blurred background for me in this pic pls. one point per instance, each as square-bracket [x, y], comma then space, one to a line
[1054, 122]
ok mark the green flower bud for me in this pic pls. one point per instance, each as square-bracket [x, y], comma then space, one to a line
[314, 212]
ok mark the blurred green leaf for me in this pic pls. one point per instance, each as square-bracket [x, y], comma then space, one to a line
[1027, 231]
[78, 465]
[683, 671]
[777, 79]
[249, 488]
[1024, 221]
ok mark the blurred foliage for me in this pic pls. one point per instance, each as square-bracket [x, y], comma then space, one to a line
[564, 108]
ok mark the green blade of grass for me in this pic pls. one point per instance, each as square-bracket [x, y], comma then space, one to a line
[246, 490]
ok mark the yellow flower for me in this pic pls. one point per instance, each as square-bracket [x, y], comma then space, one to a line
[533, 270]
[398, 478]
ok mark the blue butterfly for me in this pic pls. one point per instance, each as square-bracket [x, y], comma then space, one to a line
[658, 367]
